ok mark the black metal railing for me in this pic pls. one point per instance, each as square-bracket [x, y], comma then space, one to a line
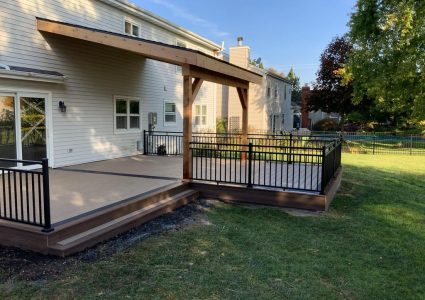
[267, 166]
[171, 143]
[331, 161]
[25, 193]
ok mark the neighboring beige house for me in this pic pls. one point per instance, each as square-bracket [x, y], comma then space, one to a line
[269, 103]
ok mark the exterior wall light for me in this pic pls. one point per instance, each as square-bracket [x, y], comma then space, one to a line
[62, 107]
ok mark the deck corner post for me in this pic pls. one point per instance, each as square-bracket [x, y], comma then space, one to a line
[322, 183]
[290, 148]
[250, 165]
[46, 196]
[145, 143]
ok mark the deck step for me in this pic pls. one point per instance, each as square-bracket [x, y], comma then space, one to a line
[92, 236]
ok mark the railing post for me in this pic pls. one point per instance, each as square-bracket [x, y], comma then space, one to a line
[250, 165]
[373, 144]
[322, 183]
[290, 149]
[145, 150]
[411, 144]
[46, 196]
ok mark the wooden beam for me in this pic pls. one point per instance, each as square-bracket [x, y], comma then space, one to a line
[242, 96]
[187, 127]
[196, 86]
[150, 49]
[215, 77]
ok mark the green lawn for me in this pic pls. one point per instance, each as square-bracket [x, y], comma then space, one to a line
[371, 245]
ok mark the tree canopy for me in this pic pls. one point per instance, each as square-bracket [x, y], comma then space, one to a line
[296, 88]
[329, 94]
[388, 58]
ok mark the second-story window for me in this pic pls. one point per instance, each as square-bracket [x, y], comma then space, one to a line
[131, 28]
[275, 93]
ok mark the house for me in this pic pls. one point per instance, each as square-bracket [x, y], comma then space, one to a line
[80, 80]
[93, 102]
[269, 102]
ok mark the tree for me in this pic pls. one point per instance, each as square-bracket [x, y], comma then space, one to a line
[276, 72]
[296, 89]
[388, 58]
[329, 94]
[257, 63]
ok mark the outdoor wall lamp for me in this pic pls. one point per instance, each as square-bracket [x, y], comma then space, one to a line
[62, 106]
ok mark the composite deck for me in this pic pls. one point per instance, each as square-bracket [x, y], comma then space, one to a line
[93, 202]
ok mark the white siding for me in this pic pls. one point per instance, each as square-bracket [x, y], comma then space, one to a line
[94, 75]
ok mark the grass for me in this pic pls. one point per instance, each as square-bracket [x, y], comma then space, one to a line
[371, 245]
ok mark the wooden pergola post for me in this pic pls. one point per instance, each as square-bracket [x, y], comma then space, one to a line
[187, 126]
[243, 97]
[190, 90]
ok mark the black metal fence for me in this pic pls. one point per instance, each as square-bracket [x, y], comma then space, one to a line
[378, 142]
[25, 193]
[307, 168]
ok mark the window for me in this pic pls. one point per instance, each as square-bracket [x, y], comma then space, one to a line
[126, 114]
[131, 28]
[169, 113]
[275, 92]
[200, 115]
[269, 93]
[183, 45]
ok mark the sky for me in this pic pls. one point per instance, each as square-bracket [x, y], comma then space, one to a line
[283, 33]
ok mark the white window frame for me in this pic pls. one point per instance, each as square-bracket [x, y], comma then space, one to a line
[128, 99]
[133, 23]
[169, 113]
[201, 115]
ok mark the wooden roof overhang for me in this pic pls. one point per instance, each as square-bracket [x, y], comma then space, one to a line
[195, 63]
[197, 67]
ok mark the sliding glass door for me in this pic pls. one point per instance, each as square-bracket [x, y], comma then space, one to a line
[33, 127]
[7, 128]
[23, 127]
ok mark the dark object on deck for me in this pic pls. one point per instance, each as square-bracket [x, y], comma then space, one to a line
[162, 150]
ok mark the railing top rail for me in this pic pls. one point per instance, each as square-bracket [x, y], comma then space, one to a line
[35, 162]
[256, 146]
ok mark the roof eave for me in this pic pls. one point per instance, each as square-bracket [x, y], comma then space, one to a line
[161, 22]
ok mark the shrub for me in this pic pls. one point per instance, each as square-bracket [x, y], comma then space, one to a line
[326, 125]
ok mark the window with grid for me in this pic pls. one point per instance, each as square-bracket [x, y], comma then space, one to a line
[126, 114]
[131, 28]
[200, 115]
[169, 113]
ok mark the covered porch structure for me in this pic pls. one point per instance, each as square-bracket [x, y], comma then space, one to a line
[197, 67]
[65, 210]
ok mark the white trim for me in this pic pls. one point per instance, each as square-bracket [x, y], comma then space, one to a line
[169, 124]
[133, 22]
[47, 95]
[31, 76]
[200, 125]
[127, 115]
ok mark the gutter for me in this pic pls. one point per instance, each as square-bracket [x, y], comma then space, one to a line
[31, 76]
